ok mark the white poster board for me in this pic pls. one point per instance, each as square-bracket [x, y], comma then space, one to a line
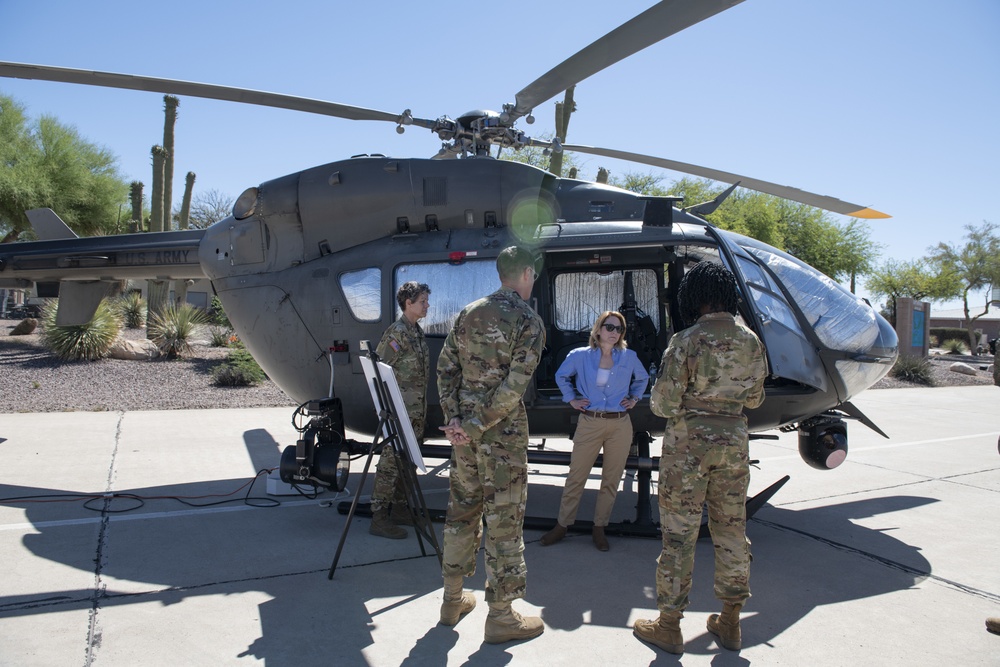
[389, 378]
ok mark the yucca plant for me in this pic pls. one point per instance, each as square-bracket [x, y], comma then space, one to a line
[88, 341]
[133, 309]
[912, 368]
[173, 328]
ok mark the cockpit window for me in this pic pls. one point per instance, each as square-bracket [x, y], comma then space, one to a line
[581, 297]
[363, 292]
[841, 320]
[453, 287]
[767, 297]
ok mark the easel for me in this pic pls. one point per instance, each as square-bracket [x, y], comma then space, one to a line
[389, 433]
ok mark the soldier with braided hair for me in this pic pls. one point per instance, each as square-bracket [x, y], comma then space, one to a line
[709, 373]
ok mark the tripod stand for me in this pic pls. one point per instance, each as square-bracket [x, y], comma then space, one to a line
[394, 432]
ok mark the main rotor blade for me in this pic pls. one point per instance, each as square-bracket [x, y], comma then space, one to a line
[783, 191]
[656, 23]
[206, 90]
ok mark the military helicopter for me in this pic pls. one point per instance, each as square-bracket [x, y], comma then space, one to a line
[308, 264]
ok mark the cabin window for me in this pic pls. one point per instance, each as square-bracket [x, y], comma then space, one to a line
[453, 287]
[581, 297]
[363, 291]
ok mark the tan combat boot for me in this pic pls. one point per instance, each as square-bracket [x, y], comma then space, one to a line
[384, 527]
[553, 535]
[726, 626]
[456, 601]
[664, 631]
[504, 624]
[400, 515]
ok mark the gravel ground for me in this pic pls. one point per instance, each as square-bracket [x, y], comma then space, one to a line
[33, 380]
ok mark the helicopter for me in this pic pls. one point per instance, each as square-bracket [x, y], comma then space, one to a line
[307, 265]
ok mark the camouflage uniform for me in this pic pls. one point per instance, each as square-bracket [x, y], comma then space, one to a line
[403, 347]
[484, 368]
[709, 372]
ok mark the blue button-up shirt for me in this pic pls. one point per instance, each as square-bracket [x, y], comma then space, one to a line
[627, 378]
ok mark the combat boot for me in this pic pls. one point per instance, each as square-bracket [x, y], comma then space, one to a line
[726, 626]
[456, 601]
[553, 535]
[383, 526]
[503, 624]
[400, 515]
[664, 631]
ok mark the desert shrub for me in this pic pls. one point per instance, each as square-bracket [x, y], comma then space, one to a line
[173, 327]
[239, 369]
[218, 315]
[221, 336]
[912, 368]
[133, 309]
[944, 333]
[88, 341]
[954, 346]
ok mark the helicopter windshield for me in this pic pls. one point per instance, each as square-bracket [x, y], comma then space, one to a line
[841, 321]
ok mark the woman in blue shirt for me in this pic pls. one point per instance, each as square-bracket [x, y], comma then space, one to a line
[602, 381]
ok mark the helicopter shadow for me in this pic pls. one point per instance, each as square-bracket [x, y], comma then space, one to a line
[803, 559]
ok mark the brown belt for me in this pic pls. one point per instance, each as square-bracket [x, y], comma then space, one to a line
[606, 415]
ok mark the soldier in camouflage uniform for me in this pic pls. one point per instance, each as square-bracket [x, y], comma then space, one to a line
[484, 368]
[708, 374]
[403, 347]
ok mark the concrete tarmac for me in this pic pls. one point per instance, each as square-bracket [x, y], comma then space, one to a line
[128, 539]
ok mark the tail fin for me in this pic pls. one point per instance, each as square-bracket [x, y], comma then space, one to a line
[48, 226]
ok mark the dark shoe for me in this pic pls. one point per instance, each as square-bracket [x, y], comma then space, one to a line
[664, 631]
[993, 625]
[383, 526]
[400, 515]
[506, 625]
[726, 626]
[553, 535]
[600, 541]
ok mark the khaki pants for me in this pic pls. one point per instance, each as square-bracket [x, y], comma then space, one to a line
[593, 434]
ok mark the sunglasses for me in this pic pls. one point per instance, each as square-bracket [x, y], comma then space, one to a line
[611, 328]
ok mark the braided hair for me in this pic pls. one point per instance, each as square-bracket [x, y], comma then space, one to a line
[707, 284]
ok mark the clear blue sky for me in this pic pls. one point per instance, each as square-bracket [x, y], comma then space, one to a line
[892, 104]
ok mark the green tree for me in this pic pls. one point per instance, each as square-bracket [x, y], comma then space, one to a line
[643, 184]
[46, 164]
[917, 279]
[976, 266]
